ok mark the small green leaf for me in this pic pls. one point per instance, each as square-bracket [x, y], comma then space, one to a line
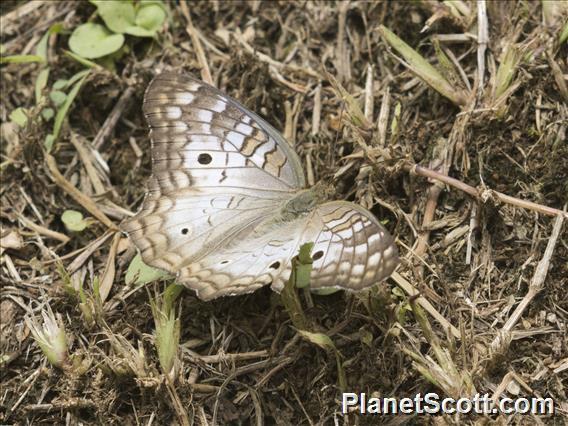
[139, 273]
[139, 31]
[76, 77]
[151, 17]
[93, 41]
[118, 15]
[423, 69]
[41, 48]
[167, 332]
[20, 59]
[41, 82]
[74, 221]
[60, 84]
[304, 256]
[56, 28]
[304, 266]
[47, 113]
[564, 34]
[319, 339]
[57, 97]
[303, 273]
[19, 117]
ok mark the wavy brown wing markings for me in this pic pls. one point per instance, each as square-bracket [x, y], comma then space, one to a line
[181, 109]
[359, 252]
[244, 267]
[173, 231]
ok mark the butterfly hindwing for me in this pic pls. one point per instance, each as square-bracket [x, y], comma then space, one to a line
[352, 250]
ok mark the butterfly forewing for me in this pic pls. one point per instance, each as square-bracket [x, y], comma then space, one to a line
[214, 168]
[198, 131]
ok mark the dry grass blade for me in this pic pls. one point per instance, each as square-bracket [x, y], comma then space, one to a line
[425, 304]
[78, 196]
[205, 71]
[42, 230]
[422, 68]
[108, 275]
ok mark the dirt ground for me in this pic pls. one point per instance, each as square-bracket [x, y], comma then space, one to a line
[479, 302]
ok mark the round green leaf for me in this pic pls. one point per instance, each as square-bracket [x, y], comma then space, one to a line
[47, 113]
[118, 15]
[151, 17]
[57, 97]
[94, 41]
[74, 221]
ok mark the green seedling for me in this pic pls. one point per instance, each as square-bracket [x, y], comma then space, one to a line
[50, 336]
[299, 277]
[74, 221]
[167, 333]
[140, 19]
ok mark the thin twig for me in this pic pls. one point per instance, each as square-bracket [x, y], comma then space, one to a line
[86, 158]
[539, 276]
[440, 161]
[486, 193]
[43, 230]
[343, 64]
[278, 65]
[369, 95]
[384, 116]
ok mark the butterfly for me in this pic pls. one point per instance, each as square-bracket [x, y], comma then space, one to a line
[227, 209]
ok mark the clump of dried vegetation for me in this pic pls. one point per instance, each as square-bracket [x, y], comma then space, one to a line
[447, 119]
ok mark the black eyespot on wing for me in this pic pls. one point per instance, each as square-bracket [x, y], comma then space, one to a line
[204, 158]
[184, 231]
[275, 265]
[224, 262]
[317, 255]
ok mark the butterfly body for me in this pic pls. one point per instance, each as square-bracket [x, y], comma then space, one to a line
[227, 208]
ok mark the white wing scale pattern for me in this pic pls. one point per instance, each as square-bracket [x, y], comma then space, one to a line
[220, 177]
